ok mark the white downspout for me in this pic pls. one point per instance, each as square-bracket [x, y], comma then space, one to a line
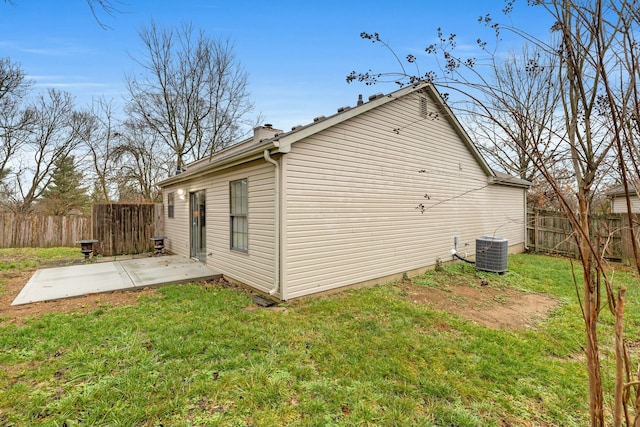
[276, 239]
[526, 217]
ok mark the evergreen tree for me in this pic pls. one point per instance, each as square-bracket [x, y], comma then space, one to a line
[65, 193]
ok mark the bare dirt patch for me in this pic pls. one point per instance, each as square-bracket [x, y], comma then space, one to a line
[12, 283]
[493, 307]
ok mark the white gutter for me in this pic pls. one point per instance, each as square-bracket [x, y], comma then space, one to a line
[276, 237]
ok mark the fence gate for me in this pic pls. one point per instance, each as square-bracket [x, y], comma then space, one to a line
[126, 228]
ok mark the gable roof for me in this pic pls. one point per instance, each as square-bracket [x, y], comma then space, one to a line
[249, 149]
[514, 181]
[619, 190]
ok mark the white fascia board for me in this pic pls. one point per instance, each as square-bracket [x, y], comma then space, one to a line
[255, 153]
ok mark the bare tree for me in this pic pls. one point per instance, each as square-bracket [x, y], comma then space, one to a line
[143, 162]
[597, 68]
[55, 131]
[13, 118]
[529, 82]
[102, 138]
[106, 6]
[194, 93]
[527, 113]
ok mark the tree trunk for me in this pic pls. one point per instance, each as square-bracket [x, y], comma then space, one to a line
[636, 420]
[618, 412]
[591, 311]
[593, 357]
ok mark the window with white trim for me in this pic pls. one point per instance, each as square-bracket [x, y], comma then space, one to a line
[238, 213]
[171, 203]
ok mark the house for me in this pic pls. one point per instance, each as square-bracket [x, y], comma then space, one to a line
[377, 190]
[619, 201]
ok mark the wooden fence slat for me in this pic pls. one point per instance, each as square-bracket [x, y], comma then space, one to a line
[125, 228]
[18, 231]
[119, 229]
[550, 232]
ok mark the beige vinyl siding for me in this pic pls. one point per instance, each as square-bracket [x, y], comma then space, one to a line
[176, 229]
[620, 204]
[256, 267]
[505, 211]
[352, 193]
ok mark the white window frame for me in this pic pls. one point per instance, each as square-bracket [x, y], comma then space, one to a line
[239, 215]
[171, 205]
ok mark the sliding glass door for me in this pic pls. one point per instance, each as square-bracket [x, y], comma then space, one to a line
[198, 229]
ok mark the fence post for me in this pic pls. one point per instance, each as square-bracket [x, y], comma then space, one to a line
[626, 239]
[535, 229]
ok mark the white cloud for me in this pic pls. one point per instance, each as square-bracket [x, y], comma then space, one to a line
[67, 85]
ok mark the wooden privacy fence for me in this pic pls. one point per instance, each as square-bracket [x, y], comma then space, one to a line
[119, 229]
[550, 232]
[40, 231]
[126, 228]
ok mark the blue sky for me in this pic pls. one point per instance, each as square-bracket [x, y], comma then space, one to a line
[297, 53]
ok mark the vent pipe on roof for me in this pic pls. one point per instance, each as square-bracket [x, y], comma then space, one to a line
[360, 102]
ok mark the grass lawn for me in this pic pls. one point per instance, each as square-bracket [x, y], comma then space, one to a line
[204, 355]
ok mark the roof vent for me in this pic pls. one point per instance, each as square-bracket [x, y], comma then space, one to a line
[376, 96]
[345, 108]
[317, 119]
[297, 127]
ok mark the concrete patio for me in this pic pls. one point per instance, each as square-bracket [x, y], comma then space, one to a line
[64, 282]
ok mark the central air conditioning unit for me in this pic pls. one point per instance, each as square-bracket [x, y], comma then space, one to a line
[492, 254]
